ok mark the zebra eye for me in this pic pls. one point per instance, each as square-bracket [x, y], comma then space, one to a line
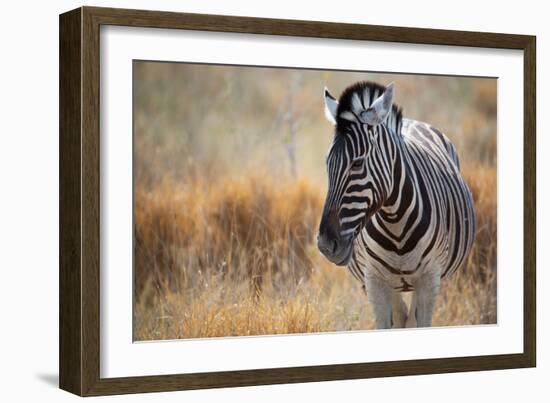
[357, 164]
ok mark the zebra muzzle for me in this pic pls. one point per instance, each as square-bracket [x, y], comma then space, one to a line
[336, 250]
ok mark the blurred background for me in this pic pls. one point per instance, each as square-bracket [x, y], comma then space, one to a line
[229, 179]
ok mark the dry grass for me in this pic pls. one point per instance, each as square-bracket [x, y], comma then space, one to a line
[237, 257]
[243, 228]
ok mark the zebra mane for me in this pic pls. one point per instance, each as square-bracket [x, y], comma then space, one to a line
[366, 92]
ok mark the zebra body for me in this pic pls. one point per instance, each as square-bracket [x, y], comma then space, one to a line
[398, 213]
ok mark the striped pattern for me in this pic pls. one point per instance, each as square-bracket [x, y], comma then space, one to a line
[398, 194]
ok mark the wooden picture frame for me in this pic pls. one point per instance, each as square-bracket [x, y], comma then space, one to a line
[80, 199]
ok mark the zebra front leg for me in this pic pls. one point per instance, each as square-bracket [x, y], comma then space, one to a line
[425, 295]
[380, 300]
[399, 310]
[411, 318]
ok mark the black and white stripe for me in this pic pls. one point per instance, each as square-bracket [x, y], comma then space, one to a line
[396, 196]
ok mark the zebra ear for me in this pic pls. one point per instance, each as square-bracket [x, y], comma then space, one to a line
[380, 108]
[331, 106]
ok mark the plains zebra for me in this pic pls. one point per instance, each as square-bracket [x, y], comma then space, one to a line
[398, 212]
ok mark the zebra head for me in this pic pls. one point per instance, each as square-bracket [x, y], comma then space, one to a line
[359, 165]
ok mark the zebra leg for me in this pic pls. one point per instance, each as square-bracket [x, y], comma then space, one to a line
[399, 310]
[380, 299]
[411, 318]
[426, 291]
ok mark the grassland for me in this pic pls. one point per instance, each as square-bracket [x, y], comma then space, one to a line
[225, 225]
[238, 257]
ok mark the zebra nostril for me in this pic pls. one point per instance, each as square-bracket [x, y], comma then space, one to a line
[326, 245]
[334, 246]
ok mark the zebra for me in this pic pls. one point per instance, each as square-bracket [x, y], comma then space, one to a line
[397, 213]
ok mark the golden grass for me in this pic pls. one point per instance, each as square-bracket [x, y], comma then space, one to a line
[242, 228]
[237, 257]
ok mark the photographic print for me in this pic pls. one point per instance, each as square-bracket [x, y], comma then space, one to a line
[291, 201]
[273, 200]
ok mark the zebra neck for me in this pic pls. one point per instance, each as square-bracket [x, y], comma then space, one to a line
[403, 191]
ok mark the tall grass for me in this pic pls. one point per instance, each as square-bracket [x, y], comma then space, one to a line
[238, 257]
[243, 228]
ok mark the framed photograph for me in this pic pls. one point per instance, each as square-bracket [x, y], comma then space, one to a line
[249, 201]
